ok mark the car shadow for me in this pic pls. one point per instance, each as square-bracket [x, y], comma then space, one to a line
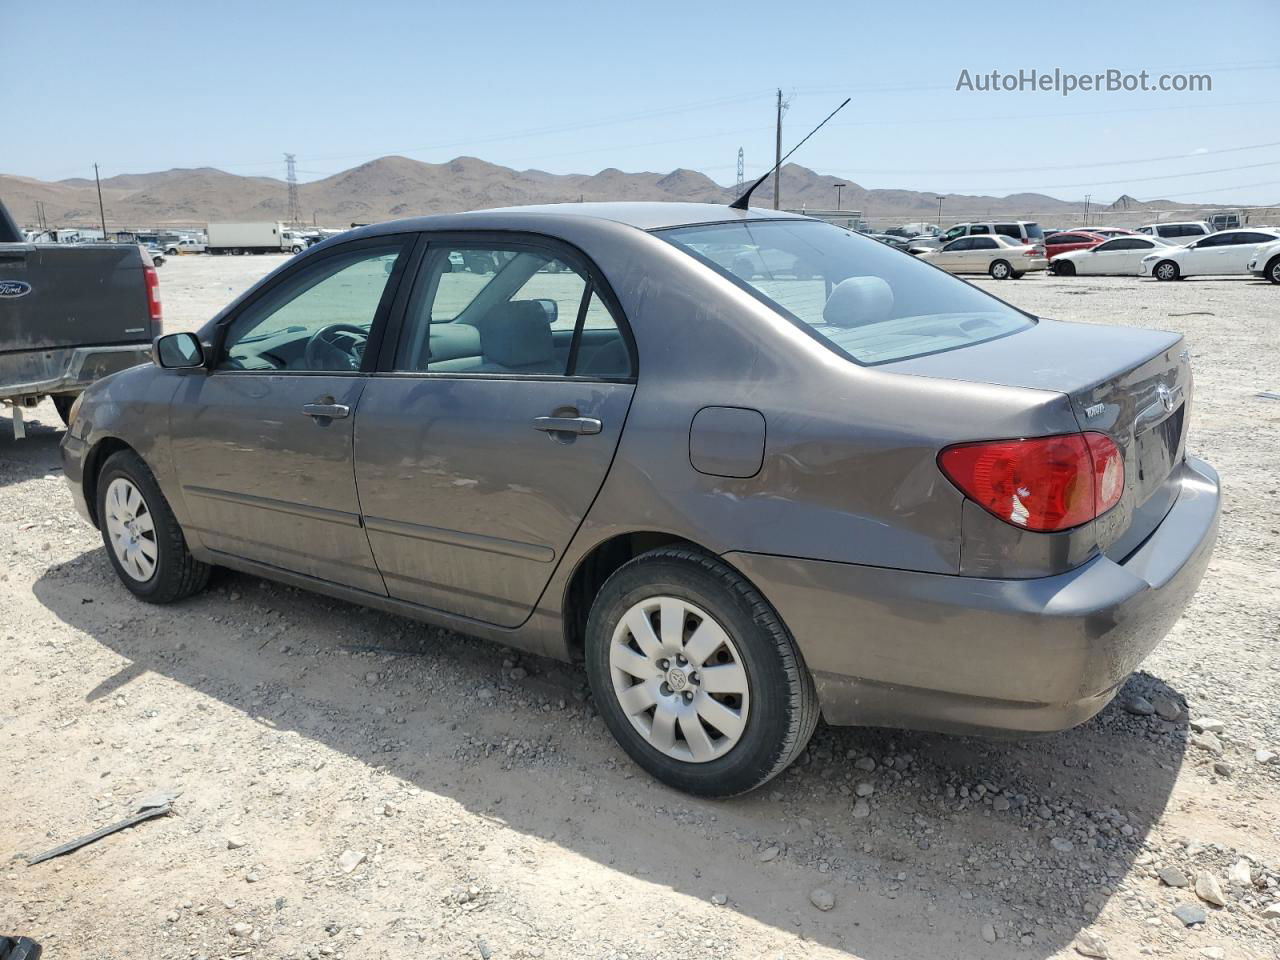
[1032, 836]
[36, 454]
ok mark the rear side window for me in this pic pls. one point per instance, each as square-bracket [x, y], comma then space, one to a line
[509, 310]
[863, 300]
[985, 243]
[1009, 230]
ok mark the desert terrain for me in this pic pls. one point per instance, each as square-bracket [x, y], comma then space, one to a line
[353, 785]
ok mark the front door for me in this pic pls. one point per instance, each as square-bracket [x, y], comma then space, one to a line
[262, 443]
[488, 430]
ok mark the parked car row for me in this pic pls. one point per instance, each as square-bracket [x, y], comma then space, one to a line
[1165, 251]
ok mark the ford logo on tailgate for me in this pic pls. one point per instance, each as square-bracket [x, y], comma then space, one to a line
[12, 289]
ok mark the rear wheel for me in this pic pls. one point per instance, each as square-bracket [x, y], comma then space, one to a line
[1166, 270]
[1000, 270]
[142, 536]
[1273, 270]
[695, 675]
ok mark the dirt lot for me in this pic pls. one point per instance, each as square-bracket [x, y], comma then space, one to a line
[354, 785]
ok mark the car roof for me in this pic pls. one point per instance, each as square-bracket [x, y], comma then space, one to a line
[644, 215]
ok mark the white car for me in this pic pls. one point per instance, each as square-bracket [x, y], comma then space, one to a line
[1000, 257]
[1265, 262]
[1222, 253]
[185, 245]
[1118, 257]
[1182, 232]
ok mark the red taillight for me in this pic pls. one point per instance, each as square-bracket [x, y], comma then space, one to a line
[152, 281]
[1043, 483]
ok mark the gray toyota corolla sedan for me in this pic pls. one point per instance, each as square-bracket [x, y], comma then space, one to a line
[746, 468]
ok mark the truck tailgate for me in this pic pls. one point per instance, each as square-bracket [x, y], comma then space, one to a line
[72, 295]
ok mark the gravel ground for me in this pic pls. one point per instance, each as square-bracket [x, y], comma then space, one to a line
[350, 784]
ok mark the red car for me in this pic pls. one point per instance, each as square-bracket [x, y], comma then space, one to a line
[1067, 241]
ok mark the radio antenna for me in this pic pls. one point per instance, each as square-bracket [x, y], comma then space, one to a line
[742, 201]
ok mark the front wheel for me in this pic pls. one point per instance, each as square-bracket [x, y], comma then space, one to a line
[1000, 270]
[1166, 270]
[1064, 268]
[695, 675]
[1273, 270]
[141, 534]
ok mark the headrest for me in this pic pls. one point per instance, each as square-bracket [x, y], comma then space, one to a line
[516, 334]
[857, 301]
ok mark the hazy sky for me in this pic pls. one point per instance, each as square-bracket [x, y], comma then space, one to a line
[570, 86]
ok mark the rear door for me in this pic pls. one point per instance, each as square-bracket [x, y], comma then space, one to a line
[262, 444]
[491, 423]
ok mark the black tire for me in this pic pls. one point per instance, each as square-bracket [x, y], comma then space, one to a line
[783, 703]
[1273, 269]
[1064, 268]
[1000, 270]
[177, 574]
[1166, 270]
[1018, 275]
[63, 404]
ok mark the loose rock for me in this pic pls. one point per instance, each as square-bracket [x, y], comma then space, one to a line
[1208, 725]
[822, 898]
[1173, 877]
[1139, 706]
[861, 809]
[768, 854]
[349, 860]
[1240, 874]
[1209, 890]
[989, 932]
[1190, 914]
[1062, 844]
[1091, 945]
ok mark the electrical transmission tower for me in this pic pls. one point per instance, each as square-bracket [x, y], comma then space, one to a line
[742, 178]
[291, 175]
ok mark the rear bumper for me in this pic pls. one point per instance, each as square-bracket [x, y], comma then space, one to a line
[966, 654]
[38, 373]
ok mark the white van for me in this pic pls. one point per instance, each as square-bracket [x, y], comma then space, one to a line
[1177, 232]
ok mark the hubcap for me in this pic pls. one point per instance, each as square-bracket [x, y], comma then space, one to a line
[679, 679]
[131, 529]
[1166, 270]
[1275, 273]
[1001, 270]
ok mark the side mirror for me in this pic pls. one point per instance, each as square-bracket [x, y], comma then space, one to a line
[551, 308]
[178, 351]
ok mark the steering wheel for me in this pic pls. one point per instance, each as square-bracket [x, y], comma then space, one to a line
[324, 351]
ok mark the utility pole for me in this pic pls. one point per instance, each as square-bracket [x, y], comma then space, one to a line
[777, 174]
[939, 199]
[839, 187]
[1087, 198]
[101, 210]
[742, 185]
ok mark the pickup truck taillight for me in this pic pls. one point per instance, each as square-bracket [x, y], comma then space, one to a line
[152, 281]
[1043, 483]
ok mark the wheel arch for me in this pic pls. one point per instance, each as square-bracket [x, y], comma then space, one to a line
[93, 462]
[597, 565]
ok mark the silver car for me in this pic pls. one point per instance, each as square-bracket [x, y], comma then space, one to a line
[744, 468]
[1000, 257]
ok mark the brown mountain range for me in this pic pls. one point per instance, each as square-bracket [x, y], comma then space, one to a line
[392, 187]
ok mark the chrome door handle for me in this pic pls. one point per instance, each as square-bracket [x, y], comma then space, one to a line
[328, 411]
[579, 425]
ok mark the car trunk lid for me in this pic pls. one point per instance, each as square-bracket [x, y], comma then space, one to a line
[1130, 384]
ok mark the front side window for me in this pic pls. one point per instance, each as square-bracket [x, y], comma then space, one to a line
[957, 231]
[514, 310]
[318, 319]
[864, 300]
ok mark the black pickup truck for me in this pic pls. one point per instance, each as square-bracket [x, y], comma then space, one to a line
[69, 315]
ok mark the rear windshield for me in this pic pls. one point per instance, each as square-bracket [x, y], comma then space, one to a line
[1034, 232]
[865, 300]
